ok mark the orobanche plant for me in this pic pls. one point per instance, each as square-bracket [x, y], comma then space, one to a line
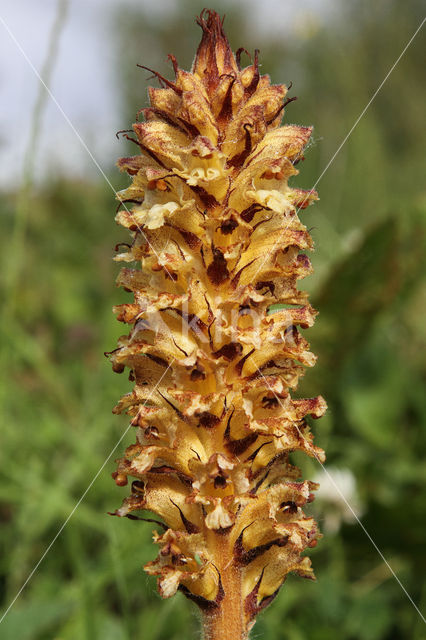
[215, 229]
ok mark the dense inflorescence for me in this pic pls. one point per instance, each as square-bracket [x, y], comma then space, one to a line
[215, 229]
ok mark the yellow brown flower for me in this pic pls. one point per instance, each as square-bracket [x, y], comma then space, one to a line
[216, 241]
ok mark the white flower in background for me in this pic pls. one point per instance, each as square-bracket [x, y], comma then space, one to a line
[338, 497]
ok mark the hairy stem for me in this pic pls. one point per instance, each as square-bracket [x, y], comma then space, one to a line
[226, 620]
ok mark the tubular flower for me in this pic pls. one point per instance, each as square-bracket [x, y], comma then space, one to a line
[215, 229]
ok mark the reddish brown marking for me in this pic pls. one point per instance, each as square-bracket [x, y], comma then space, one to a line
[217, 270]
[256, 75]
[246, 557]
[157, 359]
[162, 79]
[226, 112]
[208, 200]
[237, 447]
[197, 374]
[229, 351]
[228, 226]
[249, 213]
[208, 420]
[189, 526]
[239, 159]
[203, 603]
[238, 56]
[174, 62]
[237, 276]
[250, 603]
[240, 364]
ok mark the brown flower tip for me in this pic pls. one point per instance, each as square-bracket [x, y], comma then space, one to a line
[214, 57]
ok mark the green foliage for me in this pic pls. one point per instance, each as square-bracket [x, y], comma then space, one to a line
[56, 390]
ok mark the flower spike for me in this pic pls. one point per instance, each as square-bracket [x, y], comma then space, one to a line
[215, 231]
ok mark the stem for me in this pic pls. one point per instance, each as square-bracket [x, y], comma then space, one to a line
[227, 620]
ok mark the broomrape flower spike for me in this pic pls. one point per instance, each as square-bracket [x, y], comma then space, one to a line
[214, 226]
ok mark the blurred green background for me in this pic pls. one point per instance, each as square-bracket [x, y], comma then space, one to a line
[369, 284]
